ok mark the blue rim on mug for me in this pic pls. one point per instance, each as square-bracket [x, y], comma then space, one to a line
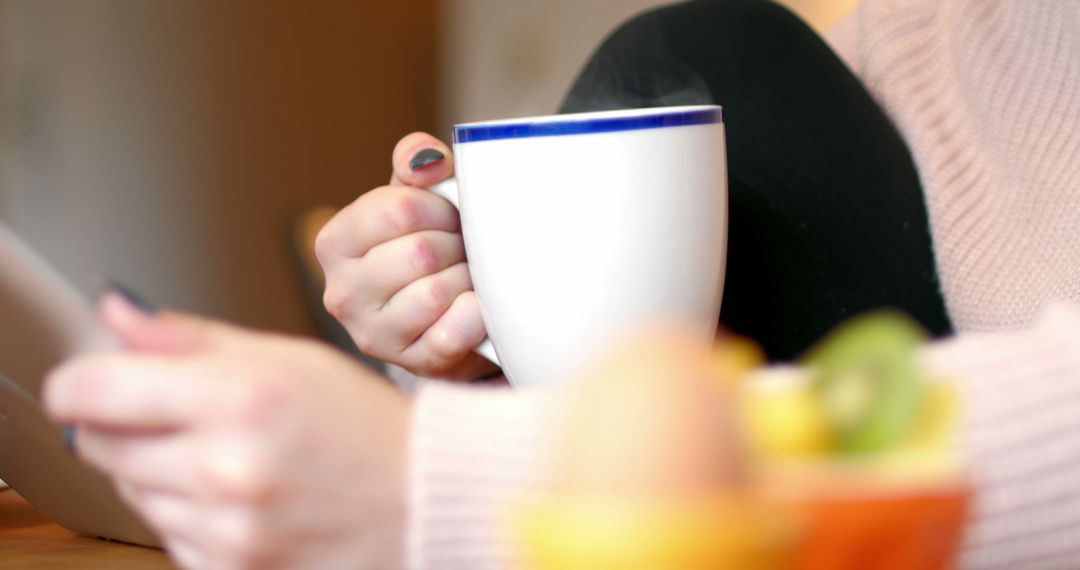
[588, 123]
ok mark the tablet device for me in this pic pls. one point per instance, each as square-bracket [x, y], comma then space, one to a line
[43, 320]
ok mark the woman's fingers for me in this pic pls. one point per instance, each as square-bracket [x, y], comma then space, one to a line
[451, 339]
[185, 554]
[206, 445]
[168, 511]
[129, 391]
[360, 287]
[175, 516]
[379, 216]
[415, 308]
[396, 264]
[148, 459]
[396, 273]
[145, 328]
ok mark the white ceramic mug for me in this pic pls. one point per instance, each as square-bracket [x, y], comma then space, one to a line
[579, 226]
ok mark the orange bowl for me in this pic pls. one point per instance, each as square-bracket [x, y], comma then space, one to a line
[873, 518]
[915, 530]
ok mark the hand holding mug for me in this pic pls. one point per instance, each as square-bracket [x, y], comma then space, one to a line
[575, 227]
[396, 274]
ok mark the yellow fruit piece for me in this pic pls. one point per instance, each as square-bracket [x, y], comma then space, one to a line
[782, 416]
[936, 429]
[732, 357]
[562, 534]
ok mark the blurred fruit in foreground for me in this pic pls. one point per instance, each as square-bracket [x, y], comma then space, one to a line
[648, 420]
[868, 381]
[783, 416]
[650, 473]
[733, 356]
[784, 420]
[673, 456]
[704, 534]
[864, 447]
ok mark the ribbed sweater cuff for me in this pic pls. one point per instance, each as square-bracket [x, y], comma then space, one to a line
[474, 449]
[1021, 394]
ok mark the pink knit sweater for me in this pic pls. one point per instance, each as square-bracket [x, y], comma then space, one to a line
[987, 95]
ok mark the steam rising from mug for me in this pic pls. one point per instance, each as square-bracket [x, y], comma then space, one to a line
[636, 68]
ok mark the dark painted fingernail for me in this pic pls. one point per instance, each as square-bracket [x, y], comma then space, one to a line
[497, 375]
[425, 158]
[132, 297]
[69, 438]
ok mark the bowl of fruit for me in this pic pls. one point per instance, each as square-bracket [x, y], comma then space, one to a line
[675, 456]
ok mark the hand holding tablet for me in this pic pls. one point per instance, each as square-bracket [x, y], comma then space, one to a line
[42, 321]
[237, 447]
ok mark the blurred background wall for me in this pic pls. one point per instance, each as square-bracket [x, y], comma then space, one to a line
[505, 58]
[168, 144]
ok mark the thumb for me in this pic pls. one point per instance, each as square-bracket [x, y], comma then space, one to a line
[421, 160]
[142, 327]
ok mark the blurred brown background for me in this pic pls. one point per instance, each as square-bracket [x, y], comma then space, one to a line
[168, 144]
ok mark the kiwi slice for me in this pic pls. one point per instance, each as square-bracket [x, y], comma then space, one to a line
[867, 380]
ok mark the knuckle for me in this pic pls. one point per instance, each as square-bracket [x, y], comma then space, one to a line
[424, 255]
[257, 402]
[406, 214]
[236, 469]
[337, 299]
[436, 294]
[364, 339]
[446, 347]
[333, 300]
[236, 478]
[325, 244]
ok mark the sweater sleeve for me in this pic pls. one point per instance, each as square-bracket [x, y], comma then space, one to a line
[475, 449]
[1021, 432]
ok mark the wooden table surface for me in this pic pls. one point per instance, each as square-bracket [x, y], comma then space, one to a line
[29, 540]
